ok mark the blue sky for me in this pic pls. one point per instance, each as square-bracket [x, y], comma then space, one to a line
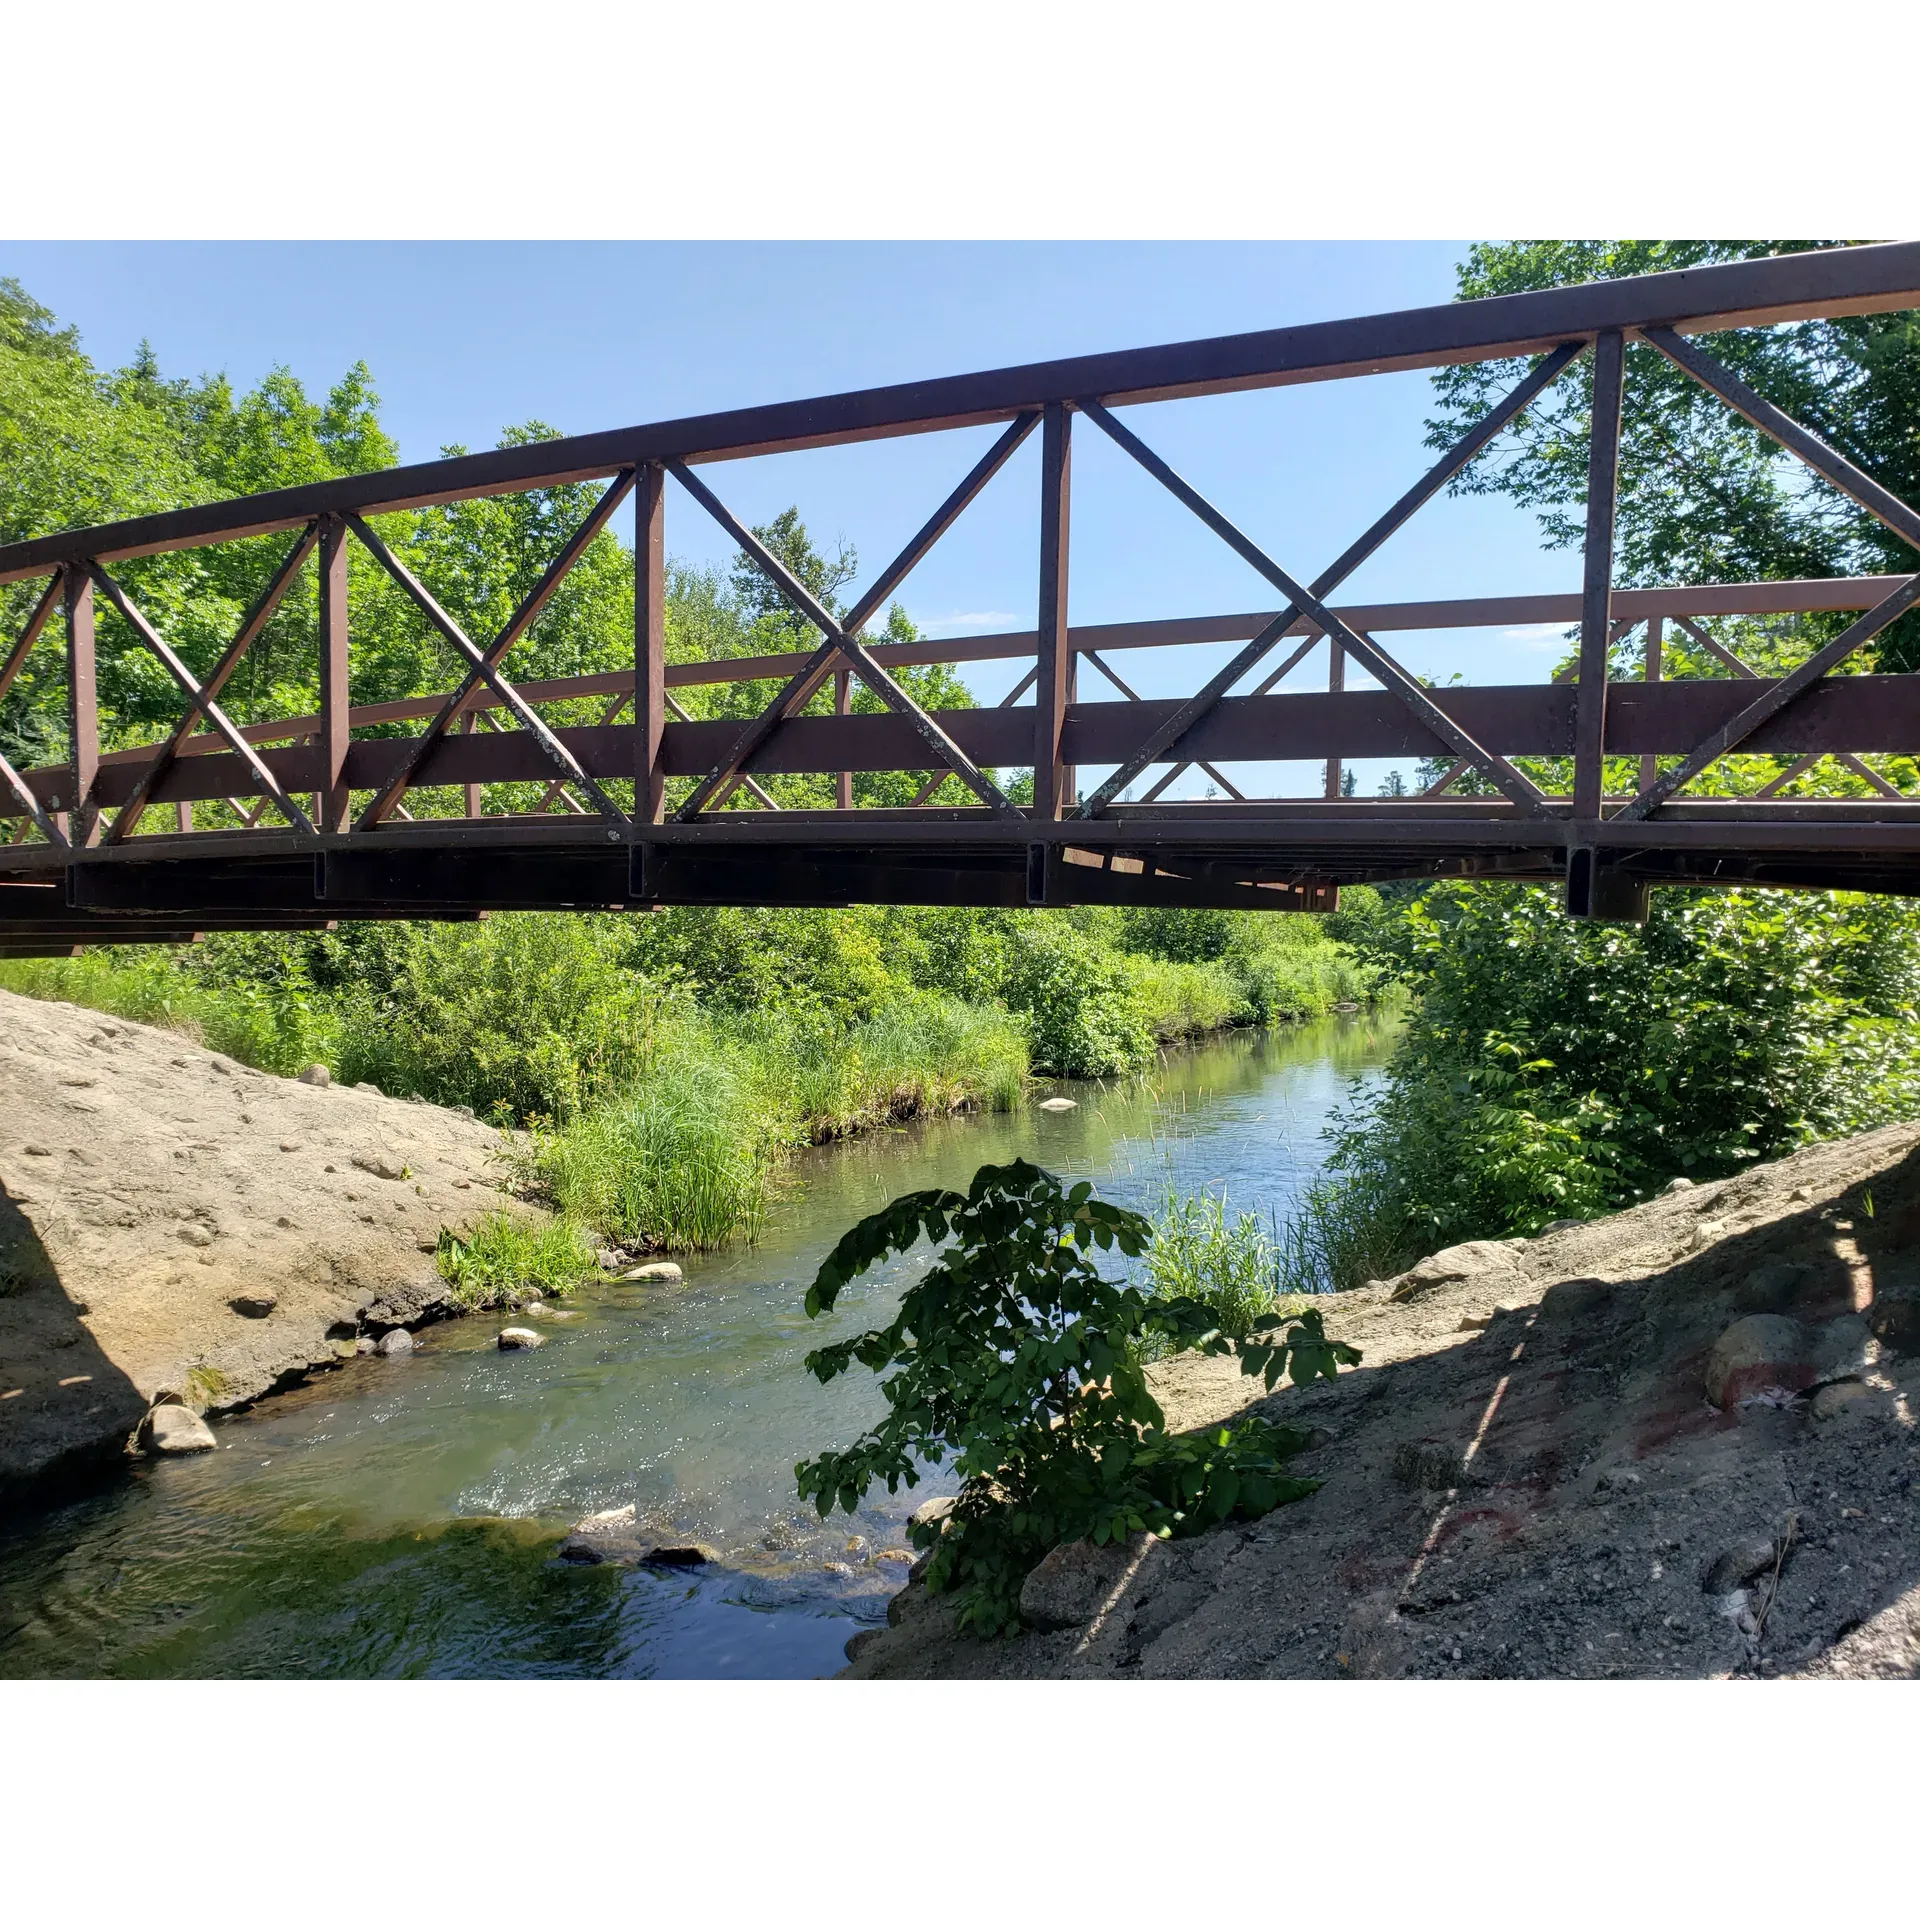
[465, 339]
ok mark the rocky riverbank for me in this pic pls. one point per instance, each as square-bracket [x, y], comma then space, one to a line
[180, 1230]
[1684, 1441]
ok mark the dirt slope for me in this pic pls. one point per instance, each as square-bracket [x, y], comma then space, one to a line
[1527, 1475]
[146, 1185]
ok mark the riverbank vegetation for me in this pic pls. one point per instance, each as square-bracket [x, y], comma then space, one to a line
[1555, 1068]
[657, 1072]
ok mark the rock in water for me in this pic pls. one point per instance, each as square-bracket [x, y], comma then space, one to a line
[176, 1429]
[655, 1270]
[512, 1338]
[685, 1553]
[1761, 1352]
[1058, 1104]
[256, 1303]
[616, 1536]
[398, 1341]
[407, 1301]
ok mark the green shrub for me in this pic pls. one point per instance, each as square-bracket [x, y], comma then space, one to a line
[506, 1258]
[1013, 1356]
[1557, 1068]
[1183, 999]
[1082, 1003]
[526, 1013]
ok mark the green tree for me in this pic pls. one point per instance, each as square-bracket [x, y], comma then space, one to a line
[1704, 496]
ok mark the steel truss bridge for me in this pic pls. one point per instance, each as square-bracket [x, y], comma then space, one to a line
[104, 847]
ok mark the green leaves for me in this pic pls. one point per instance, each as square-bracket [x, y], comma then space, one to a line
[1016, 1359]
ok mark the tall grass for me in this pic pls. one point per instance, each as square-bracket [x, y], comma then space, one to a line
[1195, 1254]
[689, 1152]
[1344, 1230]
[503, 1260]
[685, 1157]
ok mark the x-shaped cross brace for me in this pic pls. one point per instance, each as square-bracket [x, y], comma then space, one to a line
[842, 641]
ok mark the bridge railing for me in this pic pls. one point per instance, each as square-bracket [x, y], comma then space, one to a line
[310, 783]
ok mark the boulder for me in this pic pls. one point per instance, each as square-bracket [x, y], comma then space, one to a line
[397, 1342]
[1075, 1582]
[654, 1271]
[932, 1512]
[520, 1339]
[1850, 1396]
[1682, 1185]
[1059, 1103]
[365, 1344]
[1739, 1563]
[171, 1428]
[1762, 1352]
[255, 1304]
[315, 1076]
[895, 1556]
[1843, 1349]
[407, 1301]
[1471, 1260]
[617, 1536]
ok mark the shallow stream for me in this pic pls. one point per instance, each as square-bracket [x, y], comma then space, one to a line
[400, 1517]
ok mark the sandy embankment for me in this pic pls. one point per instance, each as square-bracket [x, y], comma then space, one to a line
[1684, 1440]
[172, 1223]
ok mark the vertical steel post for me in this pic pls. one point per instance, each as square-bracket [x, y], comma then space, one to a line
[332, 801]
[83, 707]
[1596, 595]
[1054, 687]
[1336, 683]
[649, 643]
[475, 795]
[843, 704]
[1656, 635]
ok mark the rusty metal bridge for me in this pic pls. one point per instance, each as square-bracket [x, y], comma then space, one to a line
[104, 847]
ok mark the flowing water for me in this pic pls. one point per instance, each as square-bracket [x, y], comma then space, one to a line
[401, 1516]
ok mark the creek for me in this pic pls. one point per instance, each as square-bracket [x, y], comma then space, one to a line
[400, 1517]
